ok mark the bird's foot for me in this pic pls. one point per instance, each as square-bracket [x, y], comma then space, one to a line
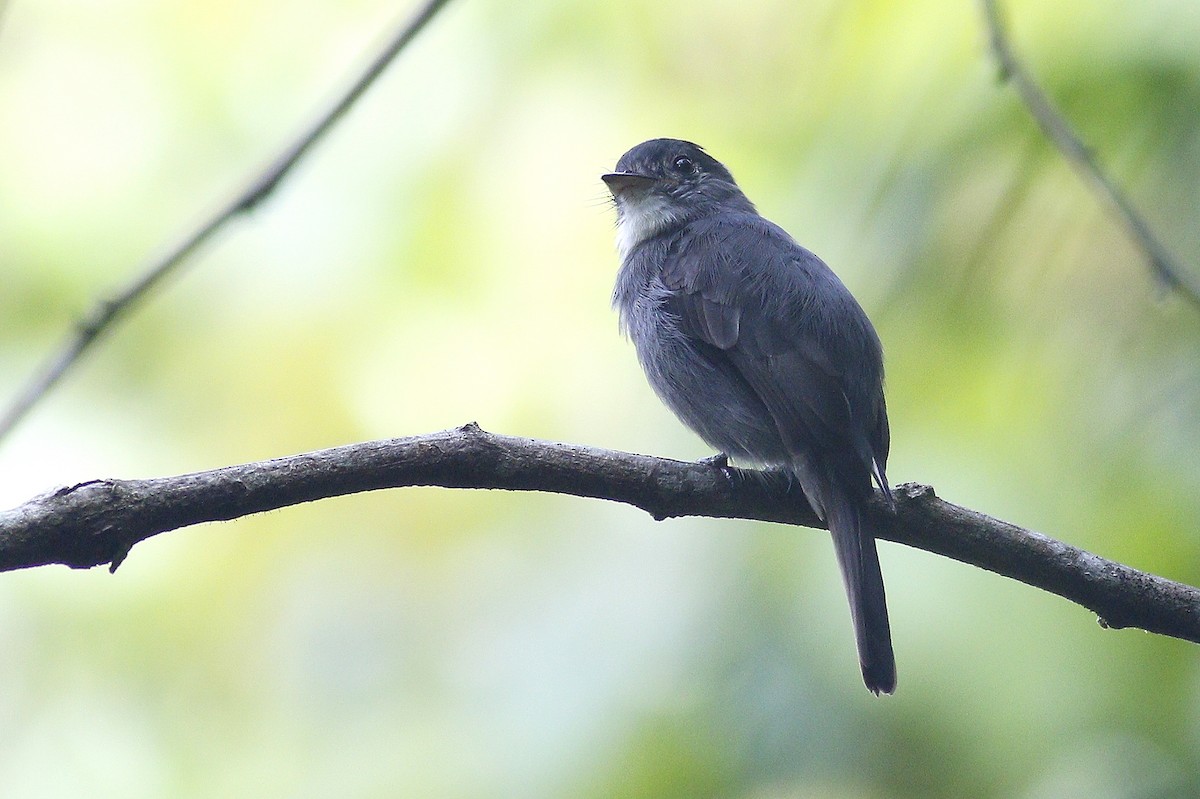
[720, 462]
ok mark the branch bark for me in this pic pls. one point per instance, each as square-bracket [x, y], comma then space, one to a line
[98, 521]
[1056, 128]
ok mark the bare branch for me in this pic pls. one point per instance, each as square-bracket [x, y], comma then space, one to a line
[257, 189]
[4, 6]
[1168, 271]
[99, 521]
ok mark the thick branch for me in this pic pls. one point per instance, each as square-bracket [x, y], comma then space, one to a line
[258, 187]
[99, 521]
[1059, 131]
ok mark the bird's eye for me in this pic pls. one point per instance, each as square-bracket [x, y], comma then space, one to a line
[684, 164]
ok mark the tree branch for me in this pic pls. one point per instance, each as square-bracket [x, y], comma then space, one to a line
[99, 521]
[258, 188]
[4, 6]
[1168, 271]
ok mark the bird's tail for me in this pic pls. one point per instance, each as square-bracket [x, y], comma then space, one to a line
[859, 562]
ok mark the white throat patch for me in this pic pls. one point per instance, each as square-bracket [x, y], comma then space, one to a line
[641, 217]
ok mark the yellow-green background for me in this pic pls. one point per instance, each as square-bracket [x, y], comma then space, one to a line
[447, 256]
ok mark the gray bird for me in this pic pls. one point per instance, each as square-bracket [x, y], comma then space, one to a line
[754, 343]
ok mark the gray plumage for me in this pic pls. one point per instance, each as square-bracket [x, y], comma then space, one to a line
[755, 344]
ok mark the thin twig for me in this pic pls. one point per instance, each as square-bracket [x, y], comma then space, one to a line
[1166, 269]
[4, 7]
[257, 189]
[99, 521]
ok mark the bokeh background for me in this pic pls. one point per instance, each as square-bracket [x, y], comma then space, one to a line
[446, 256]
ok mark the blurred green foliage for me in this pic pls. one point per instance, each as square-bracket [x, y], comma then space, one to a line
[446, 256]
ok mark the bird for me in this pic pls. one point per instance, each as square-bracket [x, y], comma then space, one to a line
[755, 344]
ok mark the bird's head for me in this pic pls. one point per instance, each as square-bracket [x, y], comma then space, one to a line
[662, 183]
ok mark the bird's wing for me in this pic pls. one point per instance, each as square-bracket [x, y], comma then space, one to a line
[775, 313]
[778, 314]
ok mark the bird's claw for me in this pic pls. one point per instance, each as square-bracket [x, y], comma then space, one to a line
[720, 462]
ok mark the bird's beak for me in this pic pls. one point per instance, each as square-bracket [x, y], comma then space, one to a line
[619, 182]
